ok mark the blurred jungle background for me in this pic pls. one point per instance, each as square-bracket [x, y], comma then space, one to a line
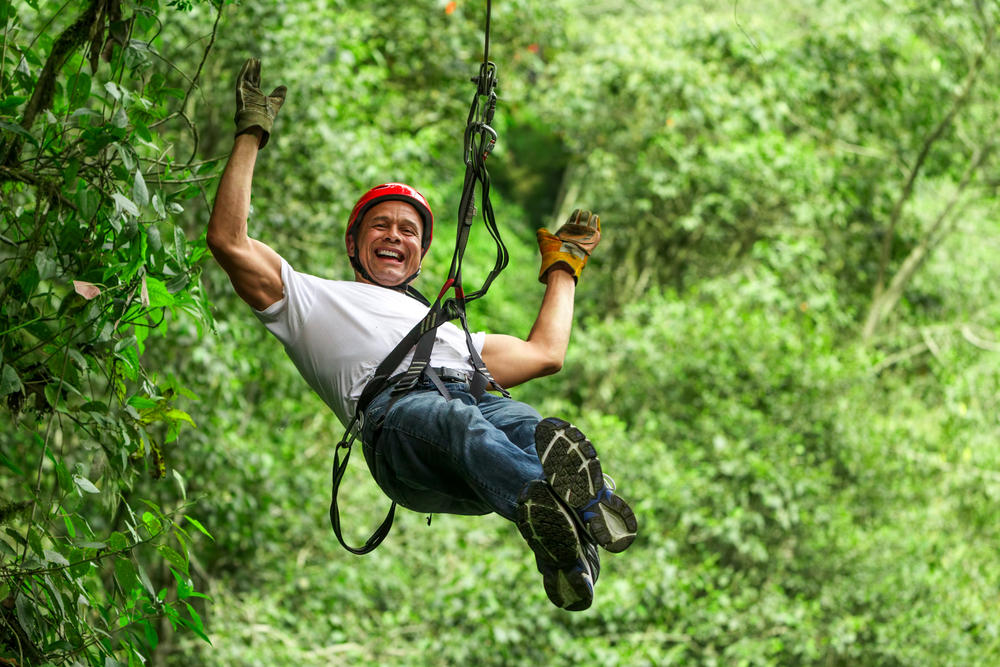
[786, 347]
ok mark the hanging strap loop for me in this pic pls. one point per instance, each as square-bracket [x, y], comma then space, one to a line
[339, 468]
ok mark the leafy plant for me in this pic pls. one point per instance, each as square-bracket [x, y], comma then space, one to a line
[94, 267]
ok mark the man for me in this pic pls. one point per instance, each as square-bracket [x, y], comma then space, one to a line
[467, 455]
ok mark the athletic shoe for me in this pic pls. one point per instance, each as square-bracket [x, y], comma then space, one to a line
[568, 561]
[572, 468]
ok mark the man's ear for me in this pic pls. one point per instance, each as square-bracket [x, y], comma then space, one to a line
[350, 245]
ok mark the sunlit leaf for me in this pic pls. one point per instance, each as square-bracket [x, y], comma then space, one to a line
[197, 524]
[180, 483]
[10, 102]
[157, 293]
[196, 624]
[174, 558]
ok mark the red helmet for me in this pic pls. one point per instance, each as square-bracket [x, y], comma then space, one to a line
[394, 192]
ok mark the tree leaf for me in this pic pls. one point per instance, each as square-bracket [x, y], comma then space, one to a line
[180, 484]
[55, 557]
[88, 201]
[144, 578]
[78, 87]
[8, 103]
[85, 484]
[86, 290]
[142, 402]
[113, 90]
[174, 558]
[25, 612]
[47, 267]
[157, 293]
[139, 191]
[18, 130]
[196, 623]
[179, 415]
[9, 381]
[197, 524]
[125, 204]
[117, 541]
[158, 206]
[125, 574]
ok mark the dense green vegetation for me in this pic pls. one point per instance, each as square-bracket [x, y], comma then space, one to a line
[786, 346]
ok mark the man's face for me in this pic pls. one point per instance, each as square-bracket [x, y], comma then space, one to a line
[388, 242]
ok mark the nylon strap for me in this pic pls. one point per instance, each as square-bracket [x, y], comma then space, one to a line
[339, 468]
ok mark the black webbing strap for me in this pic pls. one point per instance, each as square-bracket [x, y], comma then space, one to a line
[339, 468]
[379, 381]
[480, 139]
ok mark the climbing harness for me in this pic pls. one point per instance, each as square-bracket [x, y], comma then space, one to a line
[479, 141]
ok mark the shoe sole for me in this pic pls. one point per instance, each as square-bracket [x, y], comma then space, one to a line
[571, 466]
[548, 528]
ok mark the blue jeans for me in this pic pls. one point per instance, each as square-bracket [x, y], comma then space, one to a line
[454, 457]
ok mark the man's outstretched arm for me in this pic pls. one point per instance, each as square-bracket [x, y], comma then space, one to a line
[512, 360]
[253, 268]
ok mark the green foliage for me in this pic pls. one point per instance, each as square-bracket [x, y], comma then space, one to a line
[94, 267]
[805, 496]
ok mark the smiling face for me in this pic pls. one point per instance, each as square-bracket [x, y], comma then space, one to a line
[388, 243]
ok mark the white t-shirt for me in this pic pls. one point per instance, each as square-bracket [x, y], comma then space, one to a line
[337, 332]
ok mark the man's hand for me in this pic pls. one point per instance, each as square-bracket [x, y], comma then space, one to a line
[253, 107]
[571, 245]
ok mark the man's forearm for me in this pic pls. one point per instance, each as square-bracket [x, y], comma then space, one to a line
[551, 331]
[512, 360]
[228, 223]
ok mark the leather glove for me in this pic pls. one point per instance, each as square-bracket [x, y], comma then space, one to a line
[253, 107]
[571, 245]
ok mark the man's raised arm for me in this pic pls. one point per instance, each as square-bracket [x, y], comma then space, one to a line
[253, 268]
[512, 360]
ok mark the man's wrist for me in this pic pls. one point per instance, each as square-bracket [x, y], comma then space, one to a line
[255, 133]
[560, 272]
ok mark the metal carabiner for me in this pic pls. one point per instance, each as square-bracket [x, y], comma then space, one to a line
[484, 128]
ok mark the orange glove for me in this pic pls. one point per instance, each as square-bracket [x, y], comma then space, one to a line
[571, 245]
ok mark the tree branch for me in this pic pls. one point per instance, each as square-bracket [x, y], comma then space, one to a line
[886, 300]
[959, 101]
[69, 41]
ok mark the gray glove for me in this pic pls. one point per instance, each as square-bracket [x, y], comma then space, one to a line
[253, 107]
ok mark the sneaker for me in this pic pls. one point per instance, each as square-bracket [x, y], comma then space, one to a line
[572, 468]
[568, 561]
